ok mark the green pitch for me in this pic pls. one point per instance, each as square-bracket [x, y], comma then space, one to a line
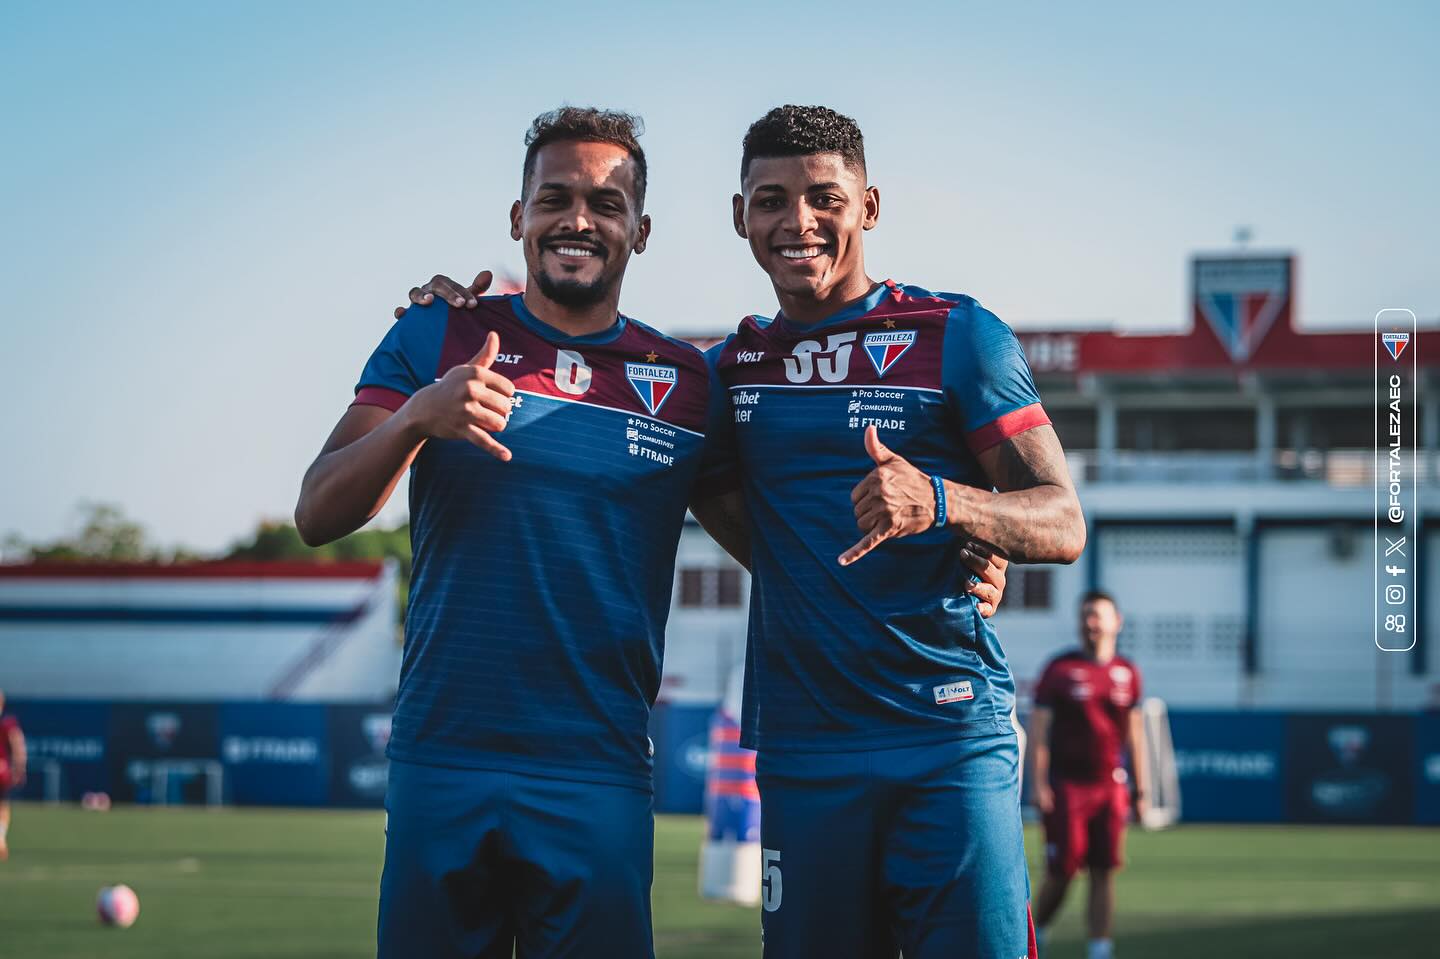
[286, 883]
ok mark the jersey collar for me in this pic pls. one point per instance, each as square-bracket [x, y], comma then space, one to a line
[855, 310]
[539, 326]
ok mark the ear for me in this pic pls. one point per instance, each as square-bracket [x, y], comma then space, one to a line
[872, 207]
[515, 210]
[643, 236]
[737, 210]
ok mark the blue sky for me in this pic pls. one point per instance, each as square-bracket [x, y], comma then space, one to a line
[212, 208]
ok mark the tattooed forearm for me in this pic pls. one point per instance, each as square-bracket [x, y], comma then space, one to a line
[1035, 517]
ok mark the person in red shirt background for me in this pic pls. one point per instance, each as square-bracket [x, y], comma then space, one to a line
[1085, 719]
[12, 769]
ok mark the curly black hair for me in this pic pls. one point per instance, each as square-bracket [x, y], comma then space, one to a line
[797, 131]
[588, 125]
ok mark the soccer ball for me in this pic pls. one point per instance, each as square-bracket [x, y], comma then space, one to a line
[95, 802]
[117, 906]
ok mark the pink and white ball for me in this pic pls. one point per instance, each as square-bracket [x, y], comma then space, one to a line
[118, 906]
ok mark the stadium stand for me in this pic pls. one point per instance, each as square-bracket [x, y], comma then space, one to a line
[205, 631]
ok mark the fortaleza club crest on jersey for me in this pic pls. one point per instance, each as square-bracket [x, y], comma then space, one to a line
[653, 383]
[887, 346]
[1395, 343]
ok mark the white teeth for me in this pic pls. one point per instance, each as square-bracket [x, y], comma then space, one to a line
[803, 253]
[573, 251]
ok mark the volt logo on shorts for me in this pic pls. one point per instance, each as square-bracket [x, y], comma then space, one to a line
[954, 692]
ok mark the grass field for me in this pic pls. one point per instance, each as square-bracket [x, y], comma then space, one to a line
[284, 883]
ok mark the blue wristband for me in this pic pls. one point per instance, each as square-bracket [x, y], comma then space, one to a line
[939, 484]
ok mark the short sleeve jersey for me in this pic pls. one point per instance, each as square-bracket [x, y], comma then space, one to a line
[1090, 703]
[889, 650]
[540, 587]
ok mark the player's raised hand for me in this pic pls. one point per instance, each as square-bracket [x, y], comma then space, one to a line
[470, 402]
[990, 567]
[896, 499]
[448, 290]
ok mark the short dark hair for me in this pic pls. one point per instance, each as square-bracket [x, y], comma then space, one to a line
[587, 125]
[790, 131]
[1099, 595]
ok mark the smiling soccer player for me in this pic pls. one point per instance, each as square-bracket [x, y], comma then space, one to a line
[520, 784]
[879, 701]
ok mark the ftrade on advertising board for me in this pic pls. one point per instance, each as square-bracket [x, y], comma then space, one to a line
[66, 742]
[1231, 765]
[275, 754]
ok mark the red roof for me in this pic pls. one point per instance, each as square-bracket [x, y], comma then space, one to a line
[1242, 319]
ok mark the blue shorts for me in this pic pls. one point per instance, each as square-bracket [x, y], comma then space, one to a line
[480, 863]
[917, 849]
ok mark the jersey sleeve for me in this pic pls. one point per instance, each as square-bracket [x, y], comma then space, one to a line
[406, 360]
[719, 464]
[986, 379]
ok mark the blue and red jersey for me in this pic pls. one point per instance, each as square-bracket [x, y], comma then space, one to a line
[889, 651]
[541, 586]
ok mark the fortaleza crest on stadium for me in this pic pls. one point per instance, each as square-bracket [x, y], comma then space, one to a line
[887, 346]
[1348, 743]
[376, 727]
[163, 728]
[1395, 343]
[652, 382]
[1240, 298]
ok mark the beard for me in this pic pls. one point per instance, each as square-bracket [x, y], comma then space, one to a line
[573, 293]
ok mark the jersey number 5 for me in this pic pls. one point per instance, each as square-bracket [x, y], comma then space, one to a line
[770, 885]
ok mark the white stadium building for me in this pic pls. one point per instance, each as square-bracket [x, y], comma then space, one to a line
[200, 631]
